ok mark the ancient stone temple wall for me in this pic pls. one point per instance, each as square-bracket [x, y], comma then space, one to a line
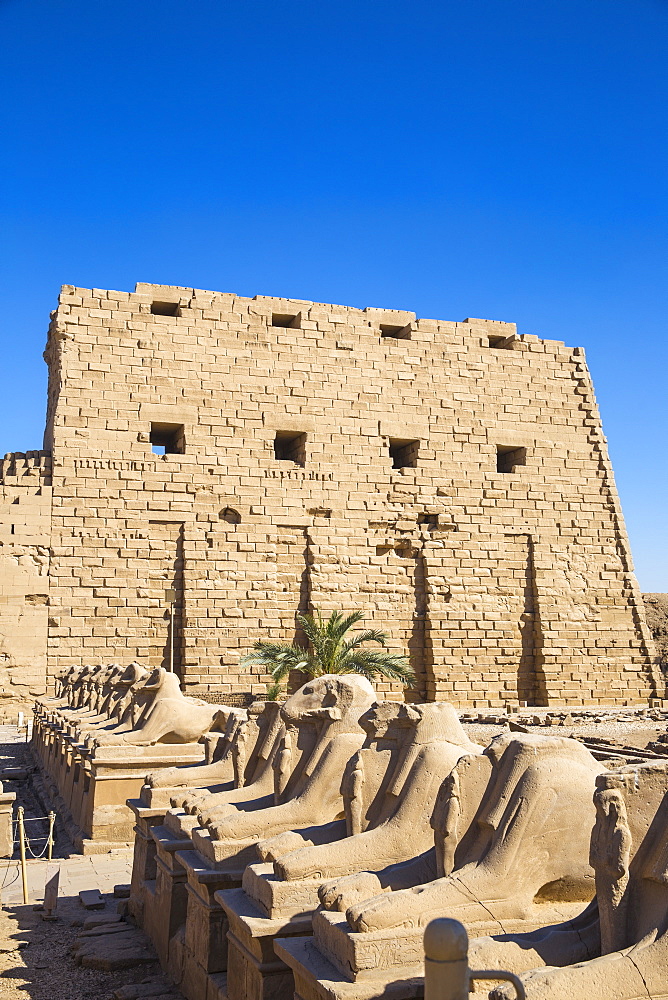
[25, 529]
[451, 479]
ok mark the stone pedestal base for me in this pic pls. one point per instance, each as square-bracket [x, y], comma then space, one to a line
[254, 971]
[274, 897]
[89, 787]
[6, 833]
[204, 947]
[317, 979]
[388, 952]
[143, 861]
[165, 898]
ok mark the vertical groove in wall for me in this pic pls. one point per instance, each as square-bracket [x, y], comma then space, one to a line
[166, 572]
[540, 693]
[420, 641]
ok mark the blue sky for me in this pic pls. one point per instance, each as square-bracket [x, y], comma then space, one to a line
[493, 158]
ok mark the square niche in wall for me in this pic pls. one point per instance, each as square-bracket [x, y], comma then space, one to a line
[290, 446]
[167, 439]
[509, 457]
[404, 452]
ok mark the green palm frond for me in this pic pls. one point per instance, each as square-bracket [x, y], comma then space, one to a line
[278, 658]
[370, 635]
[310, 626]
[330, 651]
[371, 662]
[344, 625]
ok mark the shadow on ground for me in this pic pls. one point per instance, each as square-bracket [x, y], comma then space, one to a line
[78, 956]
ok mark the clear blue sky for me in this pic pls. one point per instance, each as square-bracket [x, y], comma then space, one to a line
[495, 158]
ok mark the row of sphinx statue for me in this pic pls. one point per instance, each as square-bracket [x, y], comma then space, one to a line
[333, 827]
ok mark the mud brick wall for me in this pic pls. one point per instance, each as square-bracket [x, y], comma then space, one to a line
[451, 479]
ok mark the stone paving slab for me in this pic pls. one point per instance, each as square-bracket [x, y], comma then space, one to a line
[77, 873]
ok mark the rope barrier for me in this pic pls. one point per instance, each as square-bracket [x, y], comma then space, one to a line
[44, 849]
[24, 841]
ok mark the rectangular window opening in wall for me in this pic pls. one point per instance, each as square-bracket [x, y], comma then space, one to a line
[509, 457]
[291, 320]
[395, 332]
[167, 439]
[290, 447]
[165, 309]
[404, 453]
[500, 343]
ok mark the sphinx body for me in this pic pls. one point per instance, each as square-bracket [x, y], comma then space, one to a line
[308, 794]
[388, 821]
[618, 948]
[522, 843]
[170, 716]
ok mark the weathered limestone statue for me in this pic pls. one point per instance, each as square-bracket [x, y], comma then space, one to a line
[253, 748]
[332, 704]
[128, 702]
[131, 700]
[103, 697]
[290, 742]
[387, 812]
[111, 726]
[89, 694]
[63, 686]
[220, 768]
[70, 691]
[520, 847]
[617, 949]
[524, 854]
[321, 732]
[390, 787]
[171, 718]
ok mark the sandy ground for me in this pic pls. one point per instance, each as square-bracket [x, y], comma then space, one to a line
[43, 968]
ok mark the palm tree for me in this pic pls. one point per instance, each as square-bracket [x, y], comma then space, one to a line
[330, 652]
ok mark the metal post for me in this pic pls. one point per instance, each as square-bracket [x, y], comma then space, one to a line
[171, 597]
[22, 853]
[49, 847]
[446, 968]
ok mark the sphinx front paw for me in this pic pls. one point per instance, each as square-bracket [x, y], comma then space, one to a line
[343, 893]
[379, 913]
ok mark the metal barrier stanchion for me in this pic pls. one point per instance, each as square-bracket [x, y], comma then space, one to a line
[22, 853]
[49, 849]
[446, 967]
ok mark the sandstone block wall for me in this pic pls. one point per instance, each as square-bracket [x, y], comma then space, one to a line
[452, 479]
[25, 530]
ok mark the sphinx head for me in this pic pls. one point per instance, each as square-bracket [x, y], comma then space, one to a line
[134, 674]
[164, 682]
[333, 697]
[386, 718]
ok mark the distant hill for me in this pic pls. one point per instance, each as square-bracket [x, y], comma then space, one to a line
[656, 607]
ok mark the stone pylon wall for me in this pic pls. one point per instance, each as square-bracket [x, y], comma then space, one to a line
[495, 555]
[25, 530]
